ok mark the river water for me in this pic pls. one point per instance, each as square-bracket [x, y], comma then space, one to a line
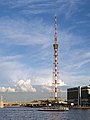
[26, 113]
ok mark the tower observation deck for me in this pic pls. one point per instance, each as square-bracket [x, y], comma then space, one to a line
[55, 71]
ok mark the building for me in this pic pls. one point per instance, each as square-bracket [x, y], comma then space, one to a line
[79, 96]
[85, 95]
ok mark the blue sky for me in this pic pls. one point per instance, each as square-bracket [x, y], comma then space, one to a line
[26, 43]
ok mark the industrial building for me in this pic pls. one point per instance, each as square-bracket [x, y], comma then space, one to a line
[79, 96]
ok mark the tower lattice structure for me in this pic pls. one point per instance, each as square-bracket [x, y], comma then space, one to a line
[55, 71]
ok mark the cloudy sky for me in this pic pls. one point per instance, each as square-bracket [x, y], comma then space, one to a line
[26, 43]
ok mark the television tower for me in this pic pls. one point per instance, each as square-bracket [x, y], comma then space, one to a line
[55, 72]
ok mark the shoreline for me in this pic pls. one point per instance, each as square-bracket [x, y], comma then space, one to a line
[80, 107]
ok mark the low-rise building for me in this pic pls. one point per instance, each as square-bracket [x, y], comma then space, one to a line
[79, 96]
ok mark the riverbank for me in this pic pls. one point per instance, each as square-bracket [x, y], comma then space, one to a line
[80, 107]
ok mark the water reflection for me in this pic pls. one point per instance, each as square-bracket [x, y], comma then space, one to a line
[24, 113]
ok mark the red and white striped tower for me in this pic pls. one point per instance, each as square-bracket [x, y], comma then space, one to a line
[55, 72]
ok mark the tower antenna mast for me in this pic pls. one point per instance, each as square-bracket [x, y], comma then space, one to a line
[55, 72]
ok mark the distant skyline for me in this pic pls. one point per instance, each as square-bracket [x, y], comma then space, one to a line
[26, 43]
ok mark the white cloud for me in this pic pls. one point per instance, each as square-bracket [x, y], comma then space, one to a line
[75, 78]
[61, 83]
[73, 48]
[19, 32]
[25, 86]
[12, 70]
[48, 88]
[21, 86]
[36, 32]
[44, 77]
[8, 89]
[81, 63]
[66, 7]
[10, 58]
[41, 79]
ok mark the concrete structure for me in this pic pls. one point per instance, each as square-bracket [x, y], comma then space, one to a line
[79, 96]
